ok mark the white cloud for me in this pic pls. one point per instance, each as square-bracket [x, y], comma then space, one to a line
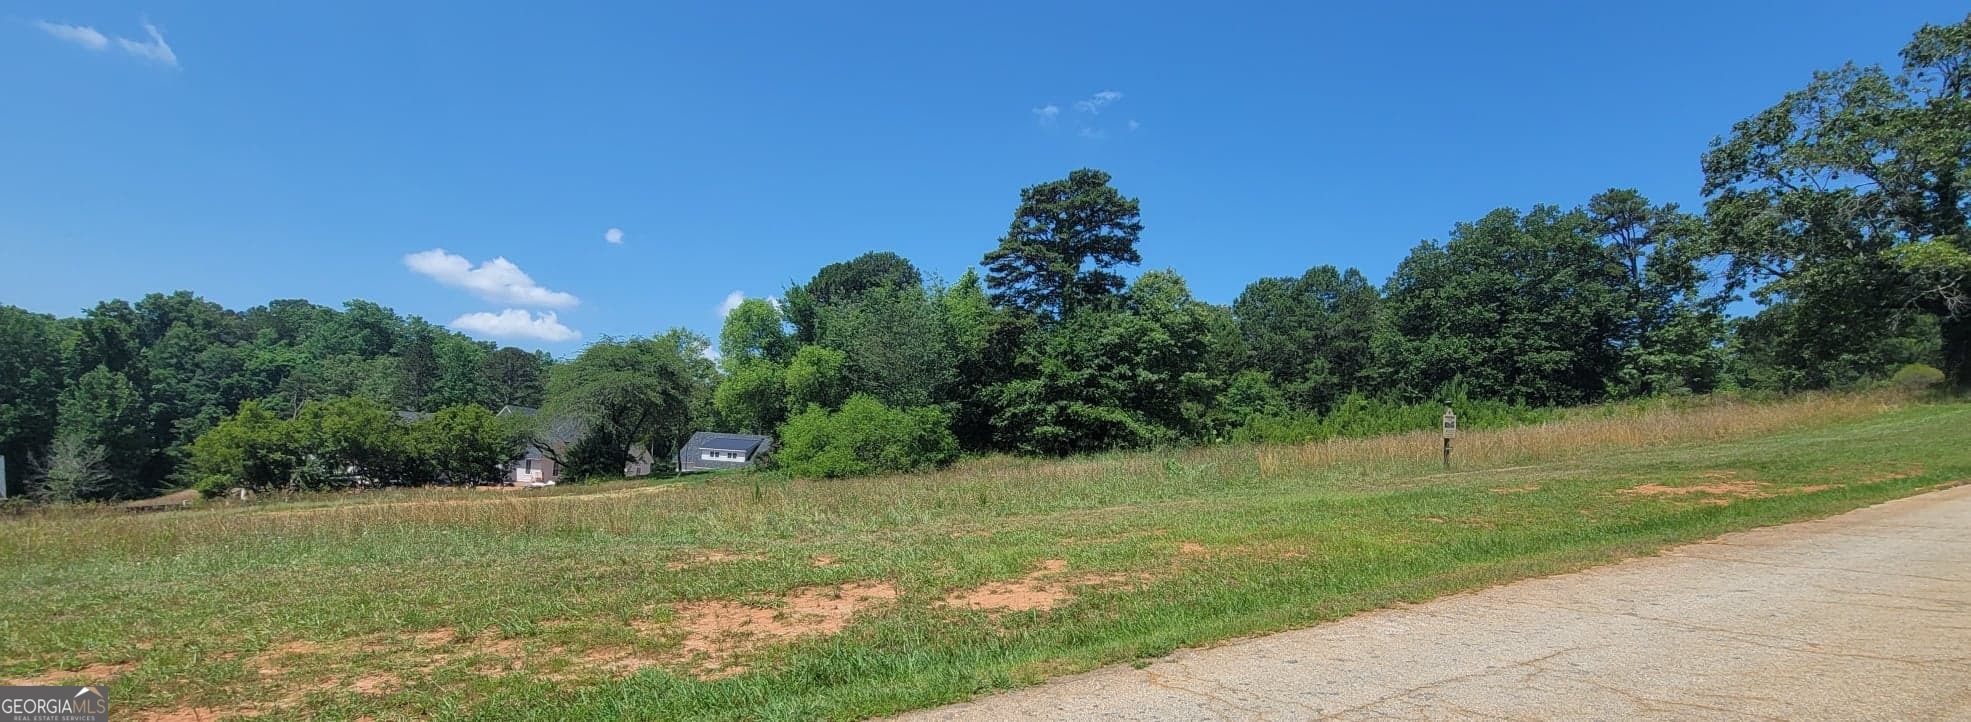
[613, 235]
[1093, 134]
[153, 49]
[731, 301]
[516, 323]
[1095, 103]
[497, 280]
[82, 35]
[1133, 125]
[1046, 113]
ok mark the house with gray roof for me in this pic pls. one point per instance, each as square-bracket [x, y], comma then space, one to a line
[539, 466]
[709, 451]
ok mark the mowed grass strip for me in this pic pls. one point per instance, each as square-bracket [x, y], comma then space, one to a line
[791, 599]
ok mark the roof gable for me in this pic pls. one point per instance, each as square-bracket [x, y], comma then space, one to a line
[703, 441]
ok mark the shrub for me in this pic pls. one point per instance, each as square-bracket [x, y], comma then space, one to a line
[865, 437]
[1916, 377]
[466, 444]
[253, 449]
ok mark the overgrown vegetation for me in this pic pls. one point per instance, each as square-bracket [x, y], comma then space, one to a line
[601, 602]
[354, 442]
[865, 437]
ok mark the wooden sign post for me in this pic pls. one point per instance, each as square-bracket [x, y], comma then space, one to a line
[1450, 432]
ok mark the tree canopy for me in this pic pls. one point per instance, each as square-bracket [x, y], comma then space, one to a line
[1066, 239]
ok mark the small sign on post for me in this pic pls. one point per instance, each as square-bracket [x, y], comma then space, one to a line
[1450, 432]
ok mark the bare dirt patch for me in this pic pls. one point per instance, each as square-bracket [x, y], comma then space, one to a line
[1118, 537]
[1719, 488]
[378, 683]
[617, 660]
[1882, 476]
[1191, 548]
[337, 662]
[96, 673]
[717, 633]
[1047, 587]
[709, 557]
[824, 560]
[197, 714]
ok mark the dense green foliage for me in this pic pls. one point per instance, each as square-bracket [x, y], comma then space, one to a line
[1841, 209]
[143, 380]
[865, 437]
[354, 442]
[626, 394]
[1844, 208]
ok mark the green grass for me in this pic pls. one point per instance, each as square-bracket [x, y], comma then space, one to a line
[190, 604]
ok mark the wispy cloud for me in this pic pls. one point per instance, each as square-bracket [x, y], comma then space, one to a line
[1092, 133]
[82, 35]
[153, 49]
[1095, 103]
[1047, 113]
[1133, 125]
[497, 280]
[732, 301]
[514, 323]
[613, 235]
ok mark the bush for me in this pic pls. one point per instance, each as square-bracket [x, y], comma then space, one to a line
[349, 442]
[865, 437]
[466, 444]
[1917, 377]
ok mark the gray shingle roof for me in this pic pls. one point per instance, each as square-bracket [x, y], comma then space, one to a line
[691, 455]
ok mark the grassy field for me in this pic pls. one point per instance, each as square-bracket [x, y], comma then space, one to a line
[749, 597]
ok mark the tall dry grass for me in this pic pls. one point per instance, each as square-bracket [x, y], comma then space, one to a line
[1591, 430]
[741, 510]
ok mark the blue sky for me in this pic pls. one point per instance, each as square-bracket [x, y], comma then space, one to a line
[251, 150]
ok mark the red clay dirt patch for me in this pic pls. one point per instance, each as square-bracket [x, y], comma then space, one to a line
[718, 632]
[1882, 476]
[97, 673]
[1044, 588]
[1720, 487]
[708, 557]
[1117, 537]
[197, 714]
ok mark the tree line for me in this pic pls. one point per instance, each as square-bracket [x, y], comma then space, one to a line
[1842, 210]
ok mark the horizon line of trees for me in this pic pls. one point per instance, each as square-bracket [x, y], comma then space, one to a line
[1842, 210]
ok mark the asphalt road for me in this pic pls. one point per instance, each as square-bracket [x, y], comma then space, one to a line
[1862, 616]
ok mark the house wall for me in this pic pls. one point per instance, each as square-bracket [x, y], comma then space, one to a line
[538, 469]
[641, 462]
